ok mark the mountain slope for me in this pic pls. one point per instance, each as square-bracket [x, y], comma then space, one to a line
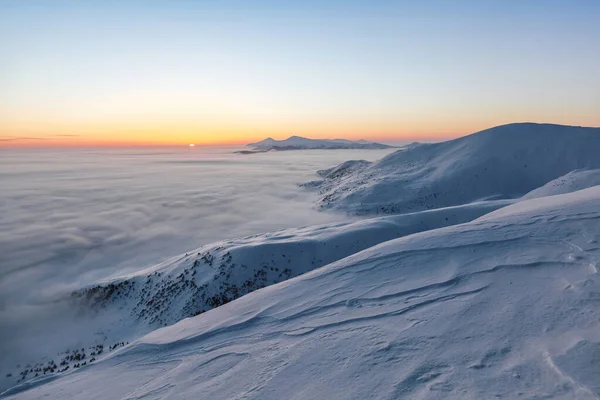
[300, 143]
[125, 308]
[213, 275]
[571, 182]
[505, 306]
[503, 162]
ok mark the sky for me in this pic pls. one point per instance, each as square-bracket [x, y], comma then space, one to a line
[225, 72]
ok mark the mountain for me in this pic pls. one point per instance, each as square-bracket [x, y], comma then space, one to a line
[503, 162]
[505, 306]
[484, 283]
[125, 308]
[300, 143]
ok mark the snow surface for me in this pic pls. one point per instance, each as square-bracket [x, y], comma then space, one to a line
[505, 306]
[127, 307]
[300, 143]
[502, 162]
[571, 182]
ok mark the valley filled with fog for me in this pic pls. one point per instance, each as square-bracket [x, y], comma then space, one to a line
[76, 216]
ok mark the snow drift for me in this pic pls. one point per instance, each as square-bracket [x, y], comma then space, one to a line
[571, 182]
[502, 162]
[505, 306]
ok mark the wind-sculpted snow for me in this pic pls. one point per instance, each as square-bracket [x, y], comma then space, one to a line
[193, 283]
[505, 306]
[503, 162]
[571, 182]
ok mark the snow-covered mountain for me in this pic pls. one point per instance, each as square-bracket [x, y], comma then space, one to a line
[505, 306]
[300, 143]
[484, 285]
[503, 162]
[123, 309]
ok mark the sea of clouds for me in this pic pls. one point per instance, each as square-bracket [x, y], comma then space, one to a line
[71, 217]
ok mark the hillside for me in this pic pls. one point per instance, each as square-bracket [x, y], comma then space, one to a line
[505, 306]
[125, 308]
[502, 162]
[300, 143]
[428, 186]
[571, 182]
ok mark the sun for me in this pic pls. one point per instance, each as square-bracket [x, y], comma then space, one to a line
[192, 145]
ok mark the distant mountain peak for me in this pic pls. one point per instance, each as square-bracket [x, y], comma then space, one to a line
[301, 143]
[505, 161]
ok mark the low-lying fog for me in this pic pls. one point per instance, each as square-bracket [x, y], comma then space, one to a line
[70, 217]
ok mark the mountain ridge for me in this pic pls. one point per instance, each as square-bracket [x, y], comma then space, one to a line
[435, 314]
[501, 162]
[301, 143]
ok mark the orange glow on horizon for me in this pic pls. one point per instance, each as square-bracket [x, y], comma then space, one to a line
[19, 134]
[62, 135]
[174, 139]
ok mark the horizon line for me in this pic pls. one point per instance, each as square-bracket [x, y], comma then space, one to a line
[35, 143]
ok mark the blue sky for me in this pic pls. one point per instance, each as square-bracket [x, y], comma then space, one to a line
[236, 70]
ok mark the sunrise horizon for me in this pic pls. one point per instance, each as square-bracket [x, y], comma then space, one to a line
[178, 138]
[133, 73]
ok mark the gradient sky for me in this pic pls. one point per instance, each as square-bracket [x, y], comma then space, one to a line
[206, 72]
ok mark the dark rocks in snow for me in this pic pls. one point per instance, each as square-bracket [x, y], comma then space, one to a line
[197, 283]
[161, 300]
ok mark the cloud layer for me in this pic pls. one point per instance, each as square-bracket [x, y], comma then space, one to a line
[72, 217]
